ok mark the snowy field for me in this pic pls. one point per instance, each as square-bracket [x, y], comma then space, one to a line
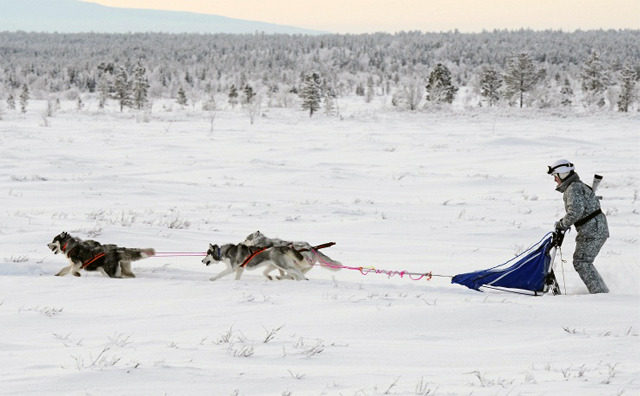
[446, 193]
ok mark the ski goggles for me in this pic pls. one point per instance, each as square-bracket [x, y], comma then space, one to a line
[550, 170]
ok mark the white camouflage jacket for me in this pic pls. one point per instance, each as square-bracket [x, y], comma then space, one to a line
[579, 202]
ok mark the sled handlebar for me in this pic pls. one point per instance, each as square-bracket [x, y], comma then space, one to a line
[558, 237]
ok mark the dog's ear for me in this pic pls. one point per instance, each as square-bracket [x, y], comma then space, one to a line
[64, 234]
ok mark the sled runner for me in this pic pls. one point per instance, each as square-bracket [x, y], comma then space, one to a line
[531, 272]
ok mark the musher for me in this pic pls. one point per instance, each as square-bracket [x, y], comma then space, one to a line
[583, 212]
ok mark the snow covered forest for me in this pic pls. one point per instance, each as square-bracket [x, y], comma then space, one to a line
[578, 71]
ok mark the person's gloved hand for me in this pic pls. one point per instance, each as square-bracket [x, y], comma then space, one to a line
[558, 226]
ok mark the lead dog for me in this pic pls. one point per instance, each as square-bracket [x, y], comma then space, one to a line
[286, 259]
[112, 260]
[312, 256]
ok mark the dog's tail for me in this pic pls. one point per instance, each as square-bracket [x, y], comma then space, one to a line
[297, 257]
[127, 254]
[325, 261]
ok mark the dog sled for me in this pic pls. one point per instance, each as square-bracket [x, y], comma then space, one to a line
[529, 273]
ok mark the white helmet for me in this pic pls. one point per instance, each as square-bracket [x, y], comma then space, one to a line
[560, 167]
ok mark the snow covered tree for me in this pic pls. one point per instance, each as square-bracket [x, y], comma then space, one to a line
[311, 93]
[122, 89]
[24, 98]
[11, 102]
[182, 97]
[254, 107]
[409, 95]
[594, 80]
[233, 96]
[248, 94]
[627, 87]
[104, 91]
[521, 76]
[490, 83]
[210, 103]
[439, 87]
[140, 86]
[566, 92]
[329, 96]
[370, 90]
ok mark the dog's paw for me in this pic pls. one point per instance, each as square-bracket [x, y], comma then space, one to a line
[76, 274]
[212, 279]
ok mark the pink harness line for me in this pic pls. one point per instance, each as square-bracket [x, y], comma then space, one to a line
[366, 270]
[179, 254]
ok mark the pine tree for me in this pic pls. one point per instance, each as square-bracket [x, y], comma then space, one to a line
[490, 83]
[439, 87]
[594, 80]
[311, 93]
[11, 102]
[182, 97]
[628, 88]
[521, 76]
[329, 98]
[140, 86]
[122, 89]
[233, 96]
[24, 98]
[567, 93]
[370, 90]
[248, 96]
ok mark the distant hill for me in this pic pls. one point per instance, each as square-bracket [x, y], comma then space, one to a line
[73, 16]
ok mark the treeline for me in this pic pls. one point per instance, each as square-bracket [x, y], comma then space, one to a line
[499, 68]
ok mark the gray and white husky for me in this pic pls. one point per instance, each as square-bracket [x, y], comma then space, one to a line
[286, 259]
[312, 256]
[111, 260]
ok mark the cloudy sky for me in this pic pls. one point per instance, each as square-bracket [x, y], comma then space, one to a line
[366, 16]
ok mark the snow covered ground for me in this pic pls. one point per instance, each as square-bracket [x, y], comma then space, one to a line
[446, 192]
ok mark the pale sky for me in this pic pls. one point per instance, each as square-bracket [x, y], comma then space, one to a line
[368, 16]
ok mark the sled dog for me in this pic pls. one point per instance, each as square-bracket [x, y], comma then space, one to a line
[238, 257]
[312, 256]
[112, 260]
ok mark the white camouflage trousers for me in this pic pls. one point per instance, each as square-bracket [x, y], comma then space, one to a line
[583, 258]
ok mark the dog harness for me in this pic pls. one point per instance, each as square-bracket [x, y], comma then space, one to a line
[257, 252]
[96, 257]
[252, 255]
[318, 247]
